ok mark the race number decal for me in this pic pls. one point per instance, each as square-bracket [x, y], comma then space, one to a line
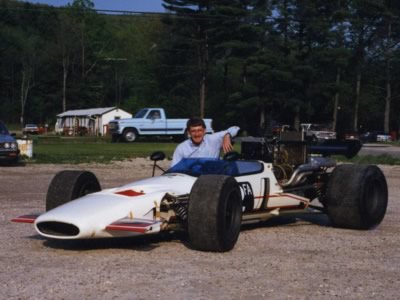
[247, 196]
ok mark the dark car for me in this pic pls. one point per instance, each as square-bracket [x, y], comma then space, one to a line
[374, 136]
[9, 151]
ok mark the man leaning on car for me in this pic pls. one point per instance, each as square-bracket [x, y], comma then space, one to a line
[202, 145]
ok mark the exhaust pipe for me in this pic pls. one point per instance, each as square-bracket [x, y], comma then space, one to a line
[300, 174]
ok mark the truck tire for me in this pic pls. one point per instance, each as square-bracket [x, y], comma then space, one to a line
[69, 185]
[356, 196]
[130, 135]
[214, 213]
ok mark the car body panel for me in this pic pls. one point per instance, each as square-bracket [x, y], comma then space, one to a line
[134, 208]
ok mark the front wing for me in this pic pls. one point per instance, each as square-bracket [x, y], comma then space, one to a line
[126, 224]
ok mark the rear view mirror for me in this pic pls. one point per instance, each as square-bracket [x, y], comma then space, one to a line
[158, 155]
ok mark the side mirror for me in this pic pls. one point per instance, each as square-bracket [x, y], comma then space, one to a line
[158, 155]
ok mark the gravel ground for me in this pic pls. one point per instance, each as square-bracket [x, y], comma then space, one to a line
[300, 258]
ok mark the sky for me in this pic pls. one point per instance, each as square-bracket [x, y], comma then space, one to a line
[127, 5]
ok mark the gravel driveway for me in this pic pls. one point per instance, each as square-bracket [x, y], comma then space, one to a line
[285, 258]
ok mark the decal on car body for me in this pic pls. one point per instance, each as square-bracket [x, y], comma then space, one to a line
[247, 196]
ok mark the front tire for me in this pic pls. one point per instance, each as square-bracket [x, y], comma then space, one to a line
[69, 185]
[356, 196]
[214, 213]
[130, 135]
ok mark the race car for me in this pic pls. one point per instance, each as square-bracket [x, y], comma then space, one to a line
[211, 198]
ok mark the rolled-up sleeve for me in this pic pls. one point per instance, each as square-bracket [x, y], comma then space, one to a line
[233, 131]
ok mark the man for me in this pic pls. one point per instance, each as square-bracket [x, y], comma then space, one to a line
[155, 114]
[202, 145]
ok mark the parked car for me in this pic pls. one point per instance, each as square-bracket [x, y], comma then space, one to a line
[375, 136]
[318, 131]
[9, 151]
[30, 129]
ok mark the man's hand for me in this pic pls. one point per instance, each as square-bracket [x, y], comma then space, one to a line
[227, 144]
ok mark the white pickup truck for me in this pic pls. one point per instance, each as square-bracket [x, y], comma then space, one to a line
[150, 122]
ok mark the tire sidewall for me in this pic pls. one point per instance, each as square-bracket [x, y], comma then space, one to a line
[374, 186]
[69, 185]
[229, 229]
[209, 225]
[350, 191]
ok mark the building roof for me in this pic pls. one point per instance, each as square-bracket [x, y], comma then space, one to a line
[86, 112]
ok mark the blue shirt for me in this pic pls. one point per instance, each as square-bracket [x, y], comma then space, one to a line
[210, 146]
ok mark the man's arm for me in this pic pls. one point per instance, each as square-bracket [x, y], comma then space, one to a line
[226, 141]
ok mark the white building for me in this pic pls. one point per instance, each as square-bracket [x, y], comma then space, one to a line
[92, 121]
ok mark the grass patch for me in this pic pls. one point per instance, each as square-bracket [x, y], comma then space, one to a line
[85, 150]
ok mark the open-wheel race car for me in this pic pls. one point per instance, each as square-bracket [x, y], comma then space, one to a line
[211, 198]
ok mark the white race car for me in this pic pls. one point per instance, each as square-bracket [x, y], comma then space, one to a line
[210, 199]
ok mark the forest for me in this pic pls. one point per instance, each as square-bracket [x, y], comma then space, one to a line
[251, 63]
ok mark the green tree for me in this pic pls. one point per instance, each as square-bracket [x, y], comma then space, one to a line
[189, 36]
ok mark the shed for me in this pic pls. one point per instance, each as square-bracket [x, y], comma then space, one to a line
[92, 121]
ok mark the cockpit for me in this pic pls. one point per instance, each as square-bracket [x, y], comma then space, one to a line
[206, 166]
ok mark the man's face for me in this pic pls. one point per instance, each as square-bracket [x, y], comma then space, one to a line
[197, 133]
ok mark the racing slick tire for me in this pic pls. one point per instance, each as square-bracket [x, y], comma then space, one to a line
[214, 213]
[70, 184]
[130, 135]
[356, 196]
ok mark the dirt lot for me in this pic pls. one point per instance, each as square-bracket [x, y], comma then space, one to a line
[300, 258]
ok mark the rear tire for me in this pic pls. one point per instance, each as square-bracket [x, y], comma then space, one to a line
[69, 185]
[356, 196]
[214, 213]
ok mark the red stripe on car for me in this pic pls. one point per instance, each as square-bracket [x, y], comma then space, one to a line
[130, 193]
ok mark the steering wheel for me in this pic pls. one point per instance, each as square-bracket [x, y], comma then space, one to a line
[231, 156]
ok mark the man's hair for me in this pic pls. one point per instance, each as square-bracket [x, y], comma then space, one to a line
[194, 122]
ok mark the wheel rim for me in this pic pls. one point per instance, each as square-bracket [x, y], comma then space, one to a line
[130, 136]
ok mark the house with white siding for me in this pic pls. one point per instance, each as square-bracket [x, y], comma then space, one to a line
[92, 121]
